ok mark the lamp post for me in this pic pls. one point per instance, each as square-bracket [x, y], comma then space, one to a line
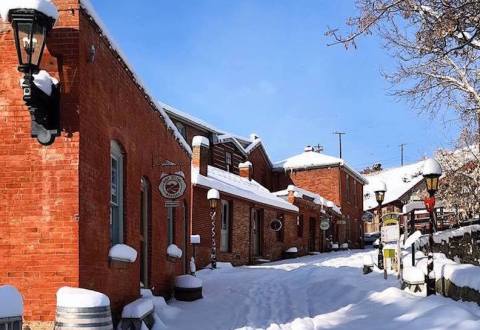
[380, 190]
[30, 28]
[213, 197]
[431, 174]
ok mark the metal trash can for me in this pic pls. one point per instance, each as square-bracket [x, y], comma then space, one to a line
[11, 323]
[85, 318]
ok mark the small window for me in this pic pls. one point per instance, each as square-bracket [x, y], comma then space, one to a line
[116, 194]
[225, 227]
[228, 161]
[182, 129]
[300, 226]
[171, 225]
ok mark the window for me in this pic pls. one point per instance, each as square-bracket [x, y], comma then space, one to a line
[225, 227]
[116, 194]
[300, 226]
[228, 161]
[171, 225]
[144, 232]
[182, 129]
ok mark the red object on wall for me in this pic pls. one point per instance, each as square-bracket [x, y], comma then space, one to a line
[429, 203]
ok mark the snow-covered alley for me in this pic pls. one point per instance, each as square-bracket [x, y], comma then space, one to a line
[325, 291]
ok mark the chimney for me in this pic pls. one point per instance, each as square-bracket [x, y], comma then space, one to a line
[200, 146]
[246, 170]
[308, 149]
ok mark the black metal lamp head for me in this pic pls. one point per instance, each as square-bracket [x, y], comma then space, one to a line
[432, 171]
[30, 29]
[380, 189]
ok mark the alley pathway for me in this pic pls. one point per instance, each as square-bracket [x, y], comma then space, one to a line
[325, 291]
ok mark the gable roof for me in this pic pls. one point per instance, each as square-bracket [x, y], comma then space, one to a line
[399, 181]
[236, 185]
[312, 160]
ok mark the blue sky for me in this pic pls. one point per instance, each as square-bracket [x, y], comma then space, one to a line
[264, 66]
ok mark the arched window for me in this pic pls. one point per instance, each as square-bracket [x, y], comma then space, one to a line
[116, 193]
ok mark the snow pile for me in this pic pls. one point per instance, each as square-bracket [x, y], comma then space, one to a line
[292, 250]
[188, 282]
[195, 239]
[399, 180]
[242, 187]
[413, 275]
[80, 298]
[412, 238]
[122, 252]
[368, 260]
[11, 302]
[43, 81]
[200, 141]
[44, 6]
[138, 309]
[174, 252]
[463, 275]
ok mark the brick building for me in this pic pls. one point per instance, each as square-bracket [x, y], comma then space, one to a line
[331, 178]
[243, 216]
[64, 205]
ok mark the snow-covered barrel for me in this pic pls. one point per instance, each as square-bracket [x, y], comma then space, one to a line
[81, 309]
[188, 288]
[11, 308]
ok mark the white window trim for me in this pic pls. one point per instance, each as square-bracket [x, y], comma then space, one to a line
[116, 153]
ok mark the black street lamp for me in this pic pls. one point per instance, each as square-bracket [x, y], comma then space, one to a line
[213, 197]
[432, 171]
[380, 189]
[30, 28]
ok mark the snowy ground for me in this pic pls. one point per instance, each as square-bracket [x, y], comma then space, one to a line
[326, 291]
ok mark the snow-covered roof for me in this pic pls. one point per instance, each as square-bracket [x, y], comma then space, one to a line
[44, 6]
[245, 145]
[235, 185]
[310, 159]
[399, 181]
[90, 11]
[317, 199]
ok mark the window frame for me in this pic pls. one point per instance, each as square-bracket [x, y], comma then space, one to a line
[229, 161]
[117, 155]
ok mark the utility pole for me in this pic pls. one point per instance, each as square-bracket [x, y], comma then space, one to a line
[401, 151]
[340, 140]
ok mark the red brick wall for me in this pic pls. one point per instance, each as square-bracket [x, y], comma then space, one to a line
[217, 156]
[39, 185]
[241, 249]
[262, 170]
[330, 183]
[113, 108]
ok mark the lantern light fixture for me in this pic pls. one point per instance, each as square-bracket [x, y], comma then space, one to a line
[213, 197]
[432, 171]
[30, 29]
[380, 189]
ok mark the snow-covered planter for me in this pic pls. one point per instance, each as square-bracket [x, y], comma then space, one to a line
[82, 308]
[188, 288]
[123, 253]
[413, 279]
[174, 253]
[334, 246]
[139, 314]
[291, 253]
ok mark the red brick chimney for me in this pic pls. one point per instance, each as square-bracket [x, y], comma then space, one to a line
[200, 146]
[246, 170]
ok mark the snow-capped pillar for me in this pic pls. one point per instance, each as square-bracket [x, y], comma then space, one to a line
[246, 170]
[200, 146]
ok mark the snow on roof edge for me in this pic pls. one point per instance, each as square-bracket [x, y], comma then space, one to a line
[113, 45]
[46, 7]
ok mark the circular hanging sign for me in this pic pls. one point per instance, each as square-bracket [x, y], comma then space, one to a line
[324, 224]
[276, 225]
[172, 186]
